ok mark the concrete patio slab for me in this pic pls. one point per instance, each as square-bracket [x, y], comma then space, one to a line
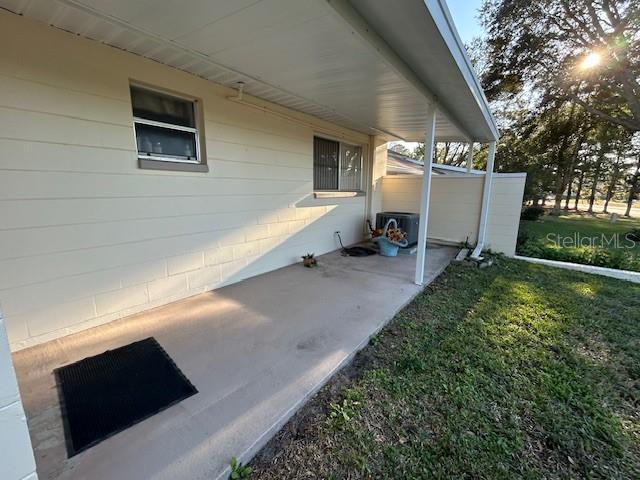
[256, 351]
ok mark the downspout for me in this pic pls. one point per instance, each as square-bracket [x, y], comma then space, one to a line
[371, 186]
[486, 196]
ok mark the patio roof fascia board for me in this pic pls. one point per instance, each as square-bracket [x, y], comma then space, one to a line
[347, 13]
[443, 20]
[453, 168]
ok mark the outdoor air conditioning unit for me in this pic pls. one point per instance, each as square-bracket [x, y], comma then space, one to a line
[406, 221]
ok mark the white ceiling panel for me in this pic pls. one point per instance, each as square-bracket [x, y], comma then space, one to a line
[42, 10]
[308, 58]
[170, 18]
[252, 25]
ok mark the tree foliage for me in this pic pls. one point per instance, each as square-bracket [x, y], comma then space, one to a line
[581, 51]
[563, 77]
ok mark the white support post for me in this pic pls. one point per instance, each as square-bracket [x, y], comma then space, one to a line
[486, 197]
[470, 158]
[429, 143]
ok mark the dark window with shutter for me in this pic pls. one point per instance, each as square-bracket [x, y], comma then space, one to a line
[325, 164]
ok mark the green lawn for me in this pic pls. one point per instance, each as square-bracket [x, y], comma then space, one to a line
[544, 239]
[516, 371]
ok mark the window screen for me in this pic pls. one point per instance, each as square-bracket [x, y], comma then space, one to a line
[350, 167]
[160, 141]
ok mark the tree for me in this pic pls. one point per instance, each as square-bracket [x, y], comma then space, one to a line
[614, 177]
[634, 188]
[401, 149]
[418, 152]
[585, 52]
[578, 190]
[523, 148]
[452, 153]
[563, 79]
[564, 131]
[594, 182]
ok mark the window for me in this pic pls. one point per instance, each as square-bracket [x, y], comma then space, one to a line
[336, 165]
[166, 130]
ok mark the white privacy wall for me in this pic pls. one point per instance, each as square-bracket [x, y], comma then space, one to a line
[504, 212]
[87, 237]
[456, 201]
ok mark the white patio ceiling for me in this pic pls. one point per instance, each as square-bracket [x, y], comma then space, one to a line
[334, 59]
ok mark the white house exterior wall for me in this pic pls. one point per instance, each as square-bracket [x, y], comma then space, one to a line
[88, 237]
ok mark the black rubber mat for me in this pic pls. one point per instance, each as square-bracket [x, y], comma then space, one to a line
[103, 395]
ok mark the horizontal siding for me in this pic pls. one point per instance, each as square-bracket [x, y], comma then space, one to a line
[37, 97]
[34, 213]
[48, 127]
[56, 157]
[87, 237]
[100, 185]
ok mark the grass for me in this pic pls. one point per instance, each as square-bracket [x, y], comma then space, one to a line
[516, 371]
[568, 224]
[612, 248]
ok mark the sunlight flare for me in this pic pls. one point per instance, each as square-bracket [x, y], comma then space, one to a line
[590, 61]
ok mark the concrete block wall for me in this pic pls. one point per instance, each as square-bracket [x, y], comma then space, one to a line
[16, 454]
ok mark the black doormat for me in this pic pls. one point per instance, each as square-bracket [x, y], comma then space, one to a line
[103, 395]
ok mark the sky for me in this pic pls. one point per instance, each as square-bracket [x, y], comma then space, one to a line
[464, 13]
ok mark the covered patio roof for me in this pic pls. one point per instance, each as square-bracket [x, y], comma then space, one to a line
[372, 66]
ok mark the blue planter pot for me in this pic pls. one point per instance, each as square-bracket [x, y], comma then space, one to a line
[387, 249]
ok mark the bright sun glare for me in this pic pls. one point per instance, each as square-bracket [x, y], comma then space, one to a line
[590, 61]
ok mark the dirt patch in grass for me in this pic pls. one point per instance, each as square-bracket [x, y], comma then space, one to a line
[518, 371]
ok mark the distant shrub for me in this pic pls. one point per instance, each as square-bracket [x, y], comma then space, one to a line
[523, 238]
[532, 213]
[596, 256]
[634, 235]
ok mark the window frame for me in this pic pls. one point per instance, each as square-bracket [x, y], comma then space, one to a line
[340, 142]
[166, 162]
